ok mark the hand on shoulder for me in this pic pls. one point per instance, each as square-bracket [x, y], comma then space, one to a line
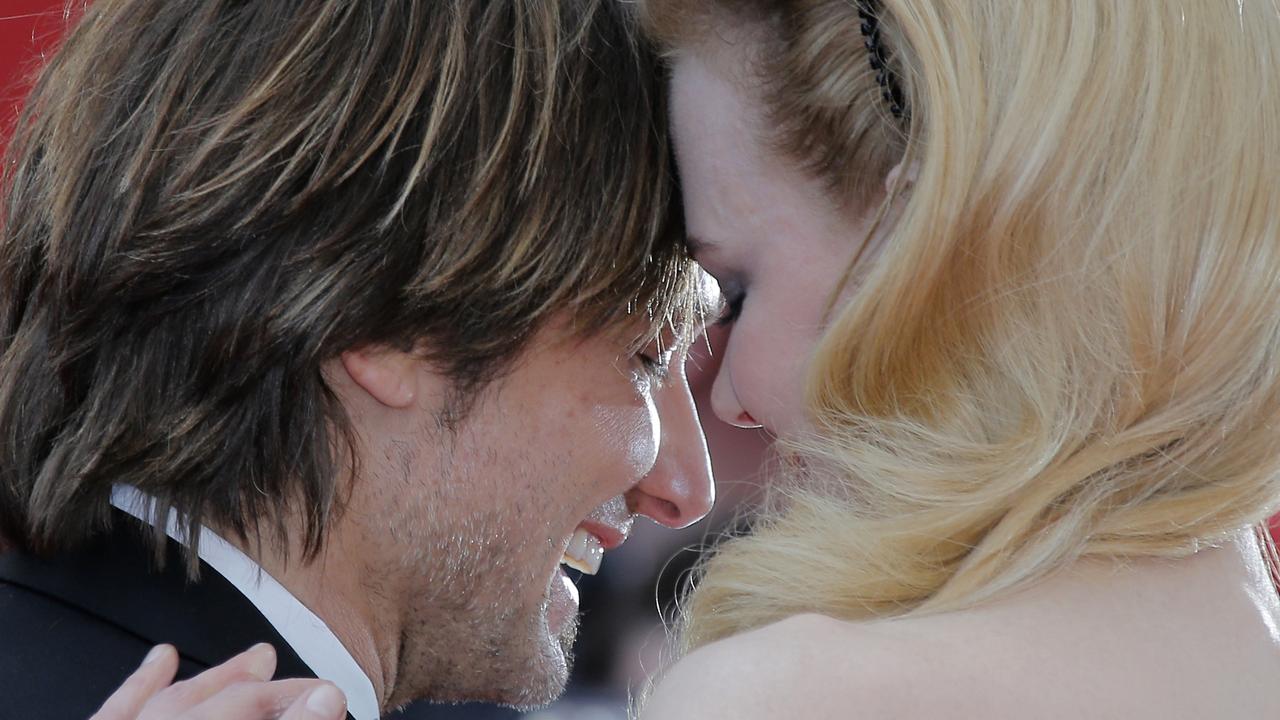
[239, 688]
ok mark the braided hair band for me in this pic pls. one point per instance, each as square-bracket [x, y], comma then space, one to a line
[890, 89]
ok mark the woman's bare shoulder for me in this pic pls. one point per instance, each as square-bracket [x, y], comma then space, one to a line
[1108, 636]
[983, 663]
[808, 666]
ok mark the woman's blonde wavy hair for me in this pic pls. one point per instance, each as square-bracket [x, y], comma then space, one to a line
[1069, 346]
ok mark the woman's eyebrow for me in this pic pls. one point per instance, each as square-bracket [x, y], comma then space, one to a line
[697, 244]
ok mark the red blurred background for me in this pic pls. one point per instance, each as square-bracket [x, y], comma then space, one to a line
[28, 30]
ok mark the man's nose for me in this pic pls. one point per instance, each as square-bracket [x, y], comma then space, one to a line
[679, 490]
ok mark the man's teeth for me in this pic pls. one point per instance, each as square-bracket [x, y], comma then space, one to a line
[585, 552]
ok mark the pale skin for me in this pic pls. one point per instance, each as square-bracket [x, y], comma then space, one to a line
[1191, 638]
[1197, 637]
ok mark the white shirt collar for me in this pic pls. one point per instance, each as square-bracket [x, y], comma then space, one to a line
[306, 633]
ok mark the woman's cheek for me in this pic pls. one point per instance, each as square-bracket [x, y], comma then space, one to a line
[768, 379]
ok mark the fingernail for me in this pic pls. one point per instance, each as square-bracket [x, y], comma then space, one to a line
[156, 653]
[263, 664]
[327, 702]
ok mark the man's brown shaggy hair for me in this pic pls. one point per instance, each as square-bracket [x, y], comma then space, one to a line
[206, 201]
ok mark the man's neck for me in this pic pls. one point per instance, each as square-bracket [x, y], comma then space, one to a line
[331, 587]
[312, 606]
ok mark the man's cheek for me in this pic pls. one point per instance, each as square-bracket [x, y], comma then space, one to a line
[630, 435]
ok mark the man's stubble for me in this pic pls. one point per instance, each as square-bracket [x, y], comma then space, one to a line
[470, 562]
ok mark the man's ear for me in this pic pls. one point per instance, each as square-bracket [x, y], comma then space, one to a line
[389, 376]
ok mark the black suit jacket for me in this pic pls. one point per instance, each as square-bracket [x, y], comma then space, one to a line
[72, 629]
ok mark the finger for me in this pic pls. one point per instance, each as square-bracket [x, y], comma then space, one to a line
[257, 664]
[256, 700]
[322, 703]
[155, 673]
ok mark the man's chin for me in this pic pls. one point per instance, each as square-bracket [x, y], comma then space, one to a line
[504, 655]
[534, 682]
[542, 679]
[551, 670]
[531, 692]
[551, 647]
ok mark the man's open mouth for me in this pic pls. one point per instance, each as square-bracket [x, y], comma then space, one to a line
[605, 529]
[584, 553]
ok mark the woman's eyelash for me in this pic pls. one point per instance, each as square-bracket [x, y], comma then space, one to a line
[732, 309]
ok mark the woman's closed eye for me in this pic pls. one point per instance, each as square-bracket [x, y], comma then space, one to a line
[731, 306]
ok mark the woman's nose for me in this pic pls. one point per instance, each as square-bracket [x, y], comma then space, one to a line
[725, 403]
[679, 490]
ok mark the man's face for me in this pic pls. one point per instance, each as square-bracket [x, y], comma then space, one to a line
[465, 529]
